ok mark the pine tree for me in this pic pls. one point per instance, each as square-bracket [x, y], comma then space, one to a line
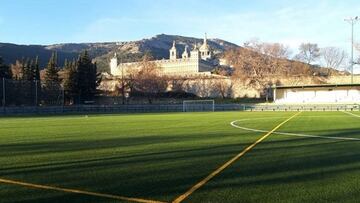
[36, 78]
[52, 91]
[26, 70]
[51, 73]
[36, 70]
[5, 71]
[87, 77]
[71, 80]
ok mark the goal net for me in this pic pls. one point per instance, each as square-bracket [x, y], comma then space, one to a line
[198, 105]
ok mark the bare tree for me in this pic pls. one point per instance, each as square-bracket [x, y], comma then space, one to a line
[333, 57]
[274, 55]
[250, 66]
[131, 76]
[147, 79]
[255, 69]
[176, 83]
[308, 53]
[276, 50]
[16, 70]
[223, 87]
[357, 47]
[122, 88]
[254, 44]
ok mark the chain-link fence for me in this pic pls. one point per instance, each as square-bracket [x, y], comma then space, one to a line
[104, 109]
[33, 97]
[30, 93]
[19, 93]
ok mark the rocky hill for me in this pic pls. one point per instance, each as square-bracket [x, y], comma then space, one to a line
[158, 46]
[12, 52]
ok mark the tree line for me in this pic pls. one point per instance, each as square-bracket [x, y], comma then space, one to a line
[309, 53]
[254, 65]
[257, 62]
[76, 82]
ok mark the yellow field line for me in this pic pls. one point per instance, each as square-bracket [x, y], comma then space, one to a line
[46, 187]
[228, 163]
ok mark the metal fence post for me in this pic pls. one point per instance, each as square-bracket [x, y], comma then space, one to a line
[63, 98]
[36, 93]
[3, 93]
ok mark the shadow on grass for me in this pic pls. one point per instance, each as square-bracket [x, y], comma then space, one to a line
[164, 175]
[119, 142]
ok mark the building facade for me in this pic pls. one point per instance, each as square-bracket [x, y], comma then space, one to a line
[195, 62]
[341, 93]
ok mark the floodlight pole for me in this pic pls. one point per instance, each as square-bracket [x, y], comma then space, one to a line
[352, 22]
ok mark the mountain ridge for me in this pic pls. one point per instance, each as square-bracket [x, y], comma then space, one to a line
[128, 51]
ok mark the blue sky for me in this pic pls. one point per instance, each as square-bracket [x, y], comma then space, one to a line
[286, 21]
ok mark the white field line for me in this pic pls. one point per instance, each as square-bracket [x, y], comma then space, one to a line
[82, 117]
[31, 119]
[351, 114]
[291, 134]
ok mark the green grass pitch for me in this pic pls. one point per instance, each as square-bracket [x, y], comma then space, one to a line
[160, 156]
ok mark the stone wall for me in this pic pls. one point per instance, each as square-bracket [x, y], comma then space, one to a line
[219, 86]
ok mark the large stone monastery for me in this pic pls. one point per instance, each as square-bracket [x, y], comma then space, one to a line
[198, 61]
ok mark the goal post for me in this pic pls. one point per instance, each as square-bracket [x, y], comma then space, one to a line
[198, 105]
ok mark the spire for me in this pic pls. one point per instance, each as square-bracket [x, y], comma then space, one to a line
[173, 46]
[205, 49]
[186, 48]
[185, 53]
[173, 52]
[205, 39]
[114, 65]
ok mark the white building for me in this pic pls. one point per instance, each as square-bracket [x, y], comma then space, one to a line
[195, 62]
[341, 93]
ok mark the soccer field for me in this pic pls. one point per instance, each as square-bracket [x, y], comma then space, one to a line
[310, 157]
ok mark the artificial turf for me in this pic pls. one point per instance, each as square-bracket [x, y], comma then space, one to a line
[160, 156]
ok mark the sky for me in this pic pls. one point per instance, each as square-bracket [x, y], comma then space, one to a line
[285, 21]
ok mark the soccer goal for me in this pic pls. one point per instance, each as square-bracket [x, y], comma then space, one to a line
[198, 105]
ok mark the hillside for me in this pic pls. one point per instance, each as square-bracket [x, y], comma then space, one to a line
[12, 52]
[158, 46]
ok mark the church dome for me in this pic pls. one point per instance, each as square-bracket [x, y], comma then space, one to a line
[205, 50]
[205, 46]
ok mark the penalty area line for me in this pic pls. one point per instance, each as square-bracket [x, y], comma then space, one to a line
[228, 163]
[351, 114]
[76, 191]
[292, 134]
